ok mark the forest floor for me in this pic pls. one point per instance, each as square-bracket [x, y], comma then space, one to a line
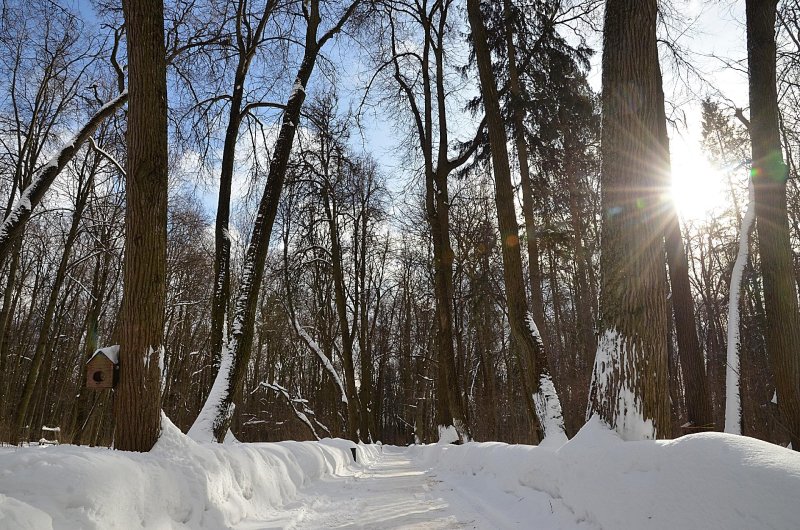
[396, 490]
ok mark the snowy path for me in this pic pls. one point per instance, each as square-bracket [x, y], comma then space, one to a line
[397, 492]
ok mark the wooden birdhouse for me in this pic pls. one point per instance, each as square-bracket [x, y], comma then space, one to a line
[102, 368]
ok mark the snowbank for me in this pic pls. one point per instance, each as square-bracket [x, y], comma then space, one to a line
[709, 480]
[179, 484]
[594, 481]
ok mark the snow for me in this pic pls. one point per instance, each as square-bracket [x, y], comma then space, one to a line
[548, 410]
[615, 353]
[202, 429]
[111, 352]
[447, 434]
[297, 89]
[733, 405]
[596, 480]
[322, 357]
[180, 484]
[548, 406]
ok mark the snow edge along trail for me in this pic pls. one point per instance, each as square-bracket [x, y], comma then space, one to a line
[595, 480]
[180, 484]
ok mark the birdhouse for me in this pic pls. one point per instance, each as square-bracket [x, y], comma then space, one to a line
[102, 368]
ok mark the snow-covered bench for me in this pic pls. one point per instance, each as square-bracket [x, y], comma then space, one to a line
[52, 432]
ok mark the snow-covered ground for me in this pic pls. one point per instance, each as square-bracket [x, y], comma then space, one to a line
[594, 481]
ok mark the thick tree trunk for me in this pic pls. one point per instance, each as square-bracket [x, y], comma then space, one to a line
[769, 180]
[137, 404]
[629, 387]
[542, 399]
[449, 408]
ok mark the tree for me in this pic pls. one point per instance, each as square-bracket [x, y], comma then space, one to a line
[226, 391]
[629, 386]
[422, 82]
[544, 404]
[698, 404]
[137, 405]
[769, 174]
[249, 36]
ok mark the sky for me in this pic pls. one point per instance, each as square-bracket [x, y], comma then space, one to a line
[711, 34]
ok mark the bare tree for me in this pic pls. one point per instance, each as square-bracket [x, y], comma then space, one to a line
[218, 411]
[137, 404]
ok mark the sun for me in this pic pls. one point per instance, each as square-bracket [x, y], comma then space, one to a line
[697, 186]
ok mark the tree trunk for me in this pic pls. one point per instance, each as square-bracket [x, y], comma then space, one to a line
[526, 183]
[769, 175]
[241, 336]
[247, 42]
[449, 409]
[222, 241]
[693, 368]
[49, 312]
[340, 298]
[629, 385]
[6, 316]
[543, 403]
[137, 404]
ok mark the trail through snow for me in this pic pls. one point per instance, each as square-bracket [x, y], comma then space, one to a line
[396, 491]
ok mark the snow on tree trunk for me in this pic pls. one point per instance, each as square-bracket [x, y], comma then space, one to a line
[15, 220]
[455, 433]
[612, 379]
[733, 402]
[202, 429]
[448, 434]
[548, 406]
[322, 357]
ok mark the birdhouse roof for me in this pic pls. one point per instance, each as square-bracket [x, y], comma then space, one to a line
[110, 352]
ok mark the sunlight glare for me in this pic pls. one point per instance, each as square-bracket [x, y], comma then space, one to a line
[697, 186]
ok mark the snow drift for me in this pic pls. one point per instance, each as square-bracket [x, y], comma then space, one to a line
[179, 484]
[594, 481]
[708, 480]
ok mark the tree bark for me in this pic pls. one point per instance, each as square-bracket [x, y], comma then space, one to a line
[137, 404]
[769, 175]
[542, 399]
[629, 386]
